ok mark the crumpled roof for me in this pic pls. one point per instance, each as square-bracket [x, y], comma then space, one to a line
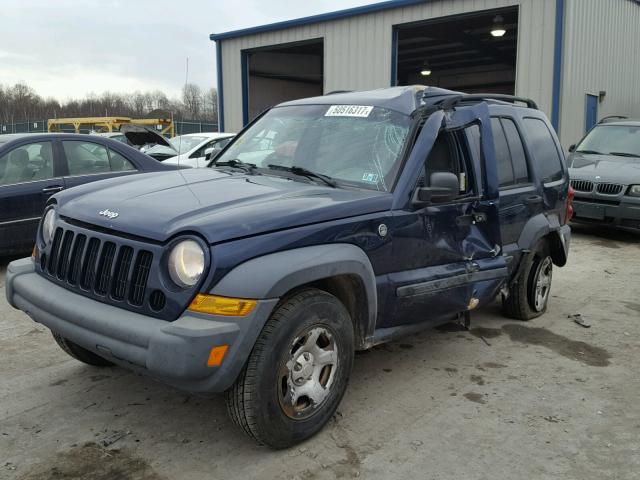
[401, 99]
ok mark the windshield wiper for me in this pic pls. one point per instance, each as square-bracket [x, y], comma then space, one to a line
[303, 172]
[589, 152]
[623, 154]
[236, 163]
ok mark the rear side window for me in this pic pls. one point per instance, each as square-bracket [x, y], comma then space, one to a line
[87, 158]
[503, 158]
[118, 163]
[518, 157]
[543, 149]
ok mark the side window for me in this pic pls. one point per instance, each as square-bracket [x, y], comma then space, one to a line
[118, 163]
[27, 163]
[518, 157]
[86, 158]
[223, 143]
[447, 155]
[200, 152]
[543, 149]
[503, 158]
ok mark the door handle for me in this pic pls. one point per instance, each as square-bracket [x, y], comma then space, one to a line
[534, 200]
[465, 220]
[52, 190]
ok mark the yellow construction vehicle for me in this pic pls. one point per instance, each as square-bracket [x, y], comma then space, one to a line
[164, 126]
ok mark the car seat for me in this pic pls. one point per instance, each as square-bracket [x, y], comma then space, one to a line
[17, 169]
[46, 168]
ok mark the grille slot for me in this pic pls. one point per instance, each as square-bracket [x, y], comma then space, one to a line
[123, 265]
[140, 277]
[89, 267]
[157, 301]
[103, 276]
[582, 185]
[55, 247]
[63, 257]
[609, 188]
[75, 262]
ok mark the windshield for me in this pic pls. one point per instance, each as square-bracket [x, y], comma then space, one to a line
[184, 143]
[181, 144]
[358, 145]
[612, 140]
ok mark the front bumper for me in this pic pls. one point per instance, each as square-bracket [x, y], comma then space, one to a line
[175, 352]
[626, 214]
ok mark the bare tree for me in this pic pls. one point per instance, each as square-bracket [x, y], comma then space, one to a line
[192, 100]
[20, 103]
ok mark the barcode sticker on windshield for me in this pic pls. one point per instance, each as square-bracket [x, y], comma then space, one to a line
[348, 111]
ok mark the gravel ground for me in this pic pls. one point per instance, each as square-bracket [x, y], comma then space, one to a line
[507, 400]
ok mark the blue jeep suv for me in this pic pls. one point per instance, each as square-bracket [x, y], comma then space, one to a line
[329, 225]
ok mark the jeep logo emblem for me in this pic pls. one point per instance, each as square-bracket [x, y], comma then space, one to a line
[108, 213]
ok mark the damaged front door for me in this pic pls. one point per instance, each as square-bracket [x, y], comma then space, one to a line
[449, 245]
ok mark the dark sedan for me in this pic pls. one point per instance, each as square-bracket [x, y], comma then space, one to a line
[35, 166]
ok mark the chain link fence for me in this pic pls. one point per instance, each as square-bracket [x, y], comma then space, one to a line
[40, 126]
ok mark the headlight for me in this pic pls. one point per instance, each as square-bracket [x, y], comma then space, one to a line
[48, 225]
[186, 263]
[634, 190]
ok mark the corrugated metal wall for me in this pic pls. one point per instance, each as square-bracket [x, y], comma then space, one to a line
[601, 52]
[357, 50]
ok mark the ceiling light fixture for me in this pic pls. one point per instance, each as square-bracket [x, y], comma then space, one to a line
[425, 71]
[498, 29]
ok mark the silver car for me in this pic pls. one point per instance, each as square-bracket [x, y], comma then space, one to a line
[605, 175]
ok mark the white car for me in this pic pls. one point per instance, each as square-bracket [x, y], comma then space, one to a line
[191, 150]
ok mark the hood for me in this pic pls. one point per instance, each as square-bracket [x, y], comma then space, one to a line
[218, 205]
[610, 168]
[139, 136]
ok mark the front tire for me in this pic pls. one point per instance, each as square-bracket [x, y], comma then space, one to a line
[297, 372]
[529, 295]
[79, 353]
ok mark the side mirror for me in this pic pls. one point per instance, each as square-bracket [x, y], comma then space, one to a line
[444, 187]
[572, 148]
[211, 153]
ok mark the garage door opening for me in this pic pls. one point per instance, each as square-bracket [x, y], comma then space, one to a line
[463, 52]
[281, 73]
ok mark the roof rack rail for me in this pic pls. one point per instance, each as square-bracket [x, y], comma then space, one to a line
[335, 92]
[450, 102]
[612, 118]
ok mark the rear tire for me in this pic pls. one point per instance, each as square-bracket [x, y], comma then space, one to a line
[529, 294]
[297, 372]
[79, 353]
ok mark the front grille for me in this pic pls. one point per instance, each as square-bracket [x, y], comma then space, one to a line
[609, 188]
[104, 268]
[582, 185]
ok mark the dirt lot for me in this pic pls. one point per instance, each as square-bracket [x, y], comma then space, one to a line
[507, 400]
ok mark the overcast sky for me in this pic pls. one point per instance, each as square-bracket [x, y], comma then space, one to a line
[68, 48]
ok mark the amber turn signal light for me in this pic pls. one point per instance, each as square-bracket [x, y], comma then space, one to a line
[217, 355]
[34, 252]
[228, 307]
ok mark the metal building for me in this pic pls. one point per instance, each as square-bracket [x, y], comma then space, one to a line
[578, 59]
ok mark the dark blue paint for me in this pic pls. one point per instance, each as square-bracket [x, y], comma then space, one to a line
[557, 65]
[324, 17]
[591, 112]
